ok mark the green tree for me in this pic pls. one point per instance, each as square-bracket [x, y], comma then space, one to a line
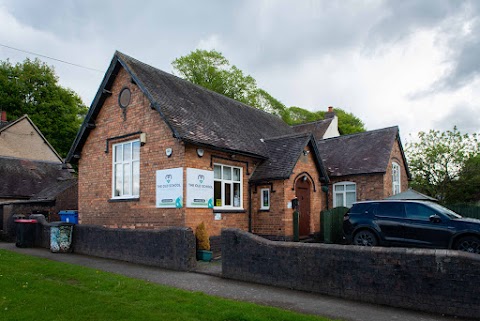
[348, 123]
[466, 188]
[210, 69]
[437, 158]
[32, 88]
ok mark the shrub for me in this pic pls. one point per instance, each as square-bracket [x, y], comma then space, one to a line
[203, 241]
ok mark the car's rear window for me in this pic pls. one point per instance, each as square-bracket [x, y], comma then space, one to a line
[392, 209]
[361, 208]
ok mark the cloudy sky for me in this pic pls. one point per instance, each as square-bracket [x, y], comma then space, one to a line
[411, 63]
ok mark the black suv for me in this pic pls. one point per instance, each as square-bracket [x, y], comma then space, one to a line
[410, 223]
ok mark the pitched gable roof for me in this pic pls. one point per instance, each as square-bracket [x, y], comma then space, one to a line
[283, 154]
[363, 153]
[51, 192]
[317, 128]
[22, 178]
[193, 113]
[10, 124]
[411, 194]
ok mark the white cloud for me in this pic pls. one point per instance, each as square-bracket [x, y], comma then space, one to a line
[381, 60]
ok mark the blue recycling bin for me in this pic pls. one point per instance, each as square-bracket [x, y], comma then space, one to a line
[69, 216]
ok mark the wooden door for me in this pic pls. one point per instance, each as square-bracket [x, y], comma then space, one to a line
[302, 190]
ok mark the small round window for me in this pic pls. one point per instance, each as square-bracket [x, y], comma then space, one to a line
[124, 97]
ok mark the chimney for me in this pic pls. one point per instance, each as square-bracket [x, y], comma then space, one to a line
[330, 113]
[4, 116]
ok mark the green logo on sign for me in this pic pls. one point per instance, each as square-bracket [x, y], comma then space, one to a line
[168, 178]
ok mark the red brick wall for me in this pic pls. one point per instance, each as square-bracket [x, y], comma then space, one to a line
[272, 221]
[278, 221]
[375, 186]
[95, 166]
[317, 197]
[237, 219]
[396, 156]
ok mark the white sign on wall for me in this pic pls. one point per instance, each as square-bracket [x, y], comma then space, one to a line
[199, 188]
[169, 188]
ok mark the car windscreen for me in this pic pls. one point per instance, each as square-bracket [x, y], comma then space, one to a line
[444, 210]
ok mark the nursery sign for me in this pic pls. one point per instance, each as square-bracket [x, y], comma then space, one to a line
[169, 188]
[199, 188]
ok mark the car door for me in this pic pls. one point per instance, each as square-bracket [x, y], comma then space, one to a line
[389, 217]
[420, 230]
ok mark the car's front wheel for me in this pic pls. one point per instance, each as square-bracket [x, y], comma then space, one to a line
[365, 238]
[469, 244]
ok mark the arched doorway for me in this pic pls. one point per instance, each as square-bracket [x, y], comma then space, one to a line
[302, 191]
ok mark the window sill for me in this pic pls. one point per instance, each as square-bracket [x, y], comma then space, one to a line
[228, 211]
[116, 200]
[264, 210]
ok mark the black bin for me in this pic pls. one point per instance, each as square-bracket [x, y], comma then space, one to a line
[25, 230]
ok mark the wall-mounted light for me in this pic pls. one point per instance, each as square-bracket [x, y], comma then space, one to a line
[168, 152]
[304, 178]
[200, 152]
[143, 138]
[306, 152]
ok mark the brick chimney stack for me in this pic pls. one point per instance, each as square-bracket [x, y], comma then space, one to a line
[330, 113]
[4, 116]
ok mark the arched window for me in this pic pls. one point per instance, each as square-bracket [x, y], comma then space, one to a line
[396, 186]
[344, 194]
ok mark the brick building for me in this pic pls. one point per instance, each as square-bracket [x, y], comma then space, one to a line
[33, 177]
[155, 151]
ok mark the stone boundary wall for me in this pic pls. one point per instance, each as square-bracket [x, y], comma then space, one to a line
[435, 281]
[170, 248]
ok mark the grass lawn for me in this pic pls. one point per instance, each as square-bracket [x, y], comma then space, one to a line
[37, 289]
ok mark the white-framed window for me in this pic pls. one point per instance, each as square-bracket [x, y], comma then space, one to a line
[126, 169]
[265, 199]
[396, 186]
[344, 194]
[227, 186]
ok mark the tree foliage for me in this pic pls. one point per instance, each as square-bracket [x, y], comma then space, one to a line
[466, 189]
[32, 88]
[348, 123]
[210, 69]
[437, 160]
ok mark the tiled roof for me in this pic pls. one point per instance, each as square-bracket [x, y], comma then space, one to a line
[21, 178]
[202, 116]
[283, 153]
[199, 116]
[317, 128]
[51, 191]
[362, 153]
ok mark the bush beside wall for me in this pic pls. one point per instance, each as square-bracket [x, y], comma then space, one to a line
[436, 281]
